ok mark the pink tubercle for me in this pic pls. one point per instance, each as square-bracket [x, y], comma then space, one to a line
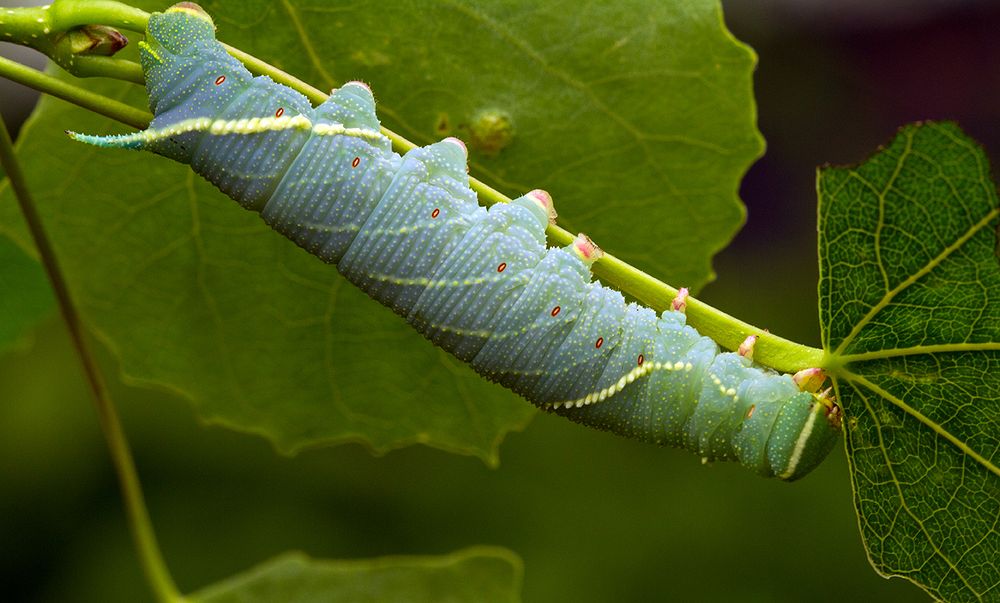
[359, 83]
[680, 302]
[746, 348]
[544, 199]
[458, 142]
[588, 251]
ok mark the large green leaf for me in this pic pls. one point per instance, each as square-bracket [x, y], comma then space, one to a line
[625, 113]
[910, 307]
[486, 574]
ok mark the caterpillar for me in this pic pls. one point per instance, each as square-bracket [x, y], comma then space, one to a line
[480, 283]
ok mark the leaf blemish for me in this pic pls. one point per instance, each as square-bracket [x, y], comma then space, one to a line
[442, 125]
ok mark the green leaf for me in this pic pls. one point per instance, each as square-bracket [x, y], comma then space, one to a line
[910, 307]
[624, 113]
[486, 574]
[25, 296]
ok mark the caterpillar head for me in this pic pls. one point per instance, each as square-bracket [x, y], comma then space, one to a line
[805, 431]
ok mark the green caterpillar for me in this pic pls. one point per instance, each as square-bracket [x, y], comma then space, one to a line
[479, 283]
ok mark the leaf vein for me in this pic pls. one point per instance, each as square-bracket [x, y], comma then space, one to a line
[933, 263]
[854, 378]
[899, 490]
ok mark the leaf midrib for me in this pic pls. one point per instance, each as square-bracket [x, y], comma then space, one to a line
[857, 379]
[933, 263]
[916, 350]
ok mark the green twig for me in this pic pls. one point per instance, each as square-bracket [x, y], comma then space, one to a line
[98, 103]
[729, 332]
[135, 507]
[67, 14]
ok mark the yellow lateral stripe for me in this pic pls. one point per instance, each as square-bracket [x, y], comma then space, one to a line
[340, 129]
[252, 125]
[618, 386]
[256, 125]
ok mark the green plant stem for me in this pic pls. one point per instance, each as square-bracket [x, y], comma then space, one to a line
[771, 350]
[127, 114]
[66, 14]
[135, 507]
[37, 26]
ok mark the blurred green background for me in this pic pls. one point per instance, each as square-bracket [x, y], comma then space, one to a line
[595, 517]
